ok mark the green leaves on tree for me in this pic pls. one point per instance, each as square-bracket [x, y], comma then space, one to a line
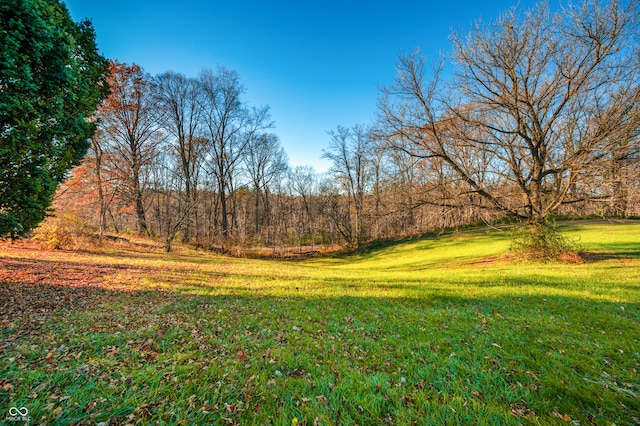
[51, 80]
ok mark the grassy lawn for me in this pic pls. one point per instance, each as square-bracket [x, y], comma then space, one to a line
[432, 331]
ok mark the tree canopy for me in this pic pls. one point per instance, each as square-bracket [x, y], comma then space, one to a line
[51, 80]
[536, 102]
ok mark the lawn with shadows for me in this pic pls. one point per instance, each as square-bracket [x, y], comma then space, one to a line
[441, 330]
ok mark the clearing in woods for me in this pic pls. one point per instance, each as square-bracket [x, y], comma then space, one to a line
[442, 330]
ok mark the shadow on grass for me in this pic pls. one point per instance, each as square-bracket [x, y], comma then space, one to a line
[533, 342]
[614, 250]
[548, 354]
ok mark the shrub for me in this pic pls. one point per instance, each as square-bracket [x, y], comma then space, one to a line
[62, 231]
[541, 240]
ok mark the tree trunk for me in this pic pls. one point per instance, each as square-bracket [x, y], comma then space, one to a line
[139, 205]
[223, 211]
[257, 212]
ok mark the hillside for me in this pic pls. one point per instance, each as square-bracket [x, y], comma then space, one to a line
[436, 330]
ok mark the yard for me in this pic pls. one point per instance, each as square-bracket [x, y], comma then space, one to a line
[440, 330]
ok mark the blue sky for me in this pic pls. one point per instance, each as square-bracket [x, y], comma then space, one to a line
[316, 64]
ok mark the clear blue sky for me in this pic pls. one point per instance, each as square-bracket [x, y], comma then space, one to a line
[317, 64]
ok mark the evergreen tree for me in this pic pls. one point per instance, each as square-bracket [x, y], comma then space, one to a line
[51, 80]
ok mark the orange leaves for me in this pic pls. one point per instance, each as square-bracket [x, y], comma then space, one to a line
[126, 83]
[242, 356]
[6, 385]
[34, 285]
[565, 417]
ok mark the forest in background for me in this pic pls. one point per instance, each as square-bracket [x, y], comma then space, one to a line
[539, 119]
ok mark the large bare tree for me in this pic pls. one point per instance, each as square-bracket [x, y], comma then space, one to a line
[229, 124]
[535, 100]
[178, 98]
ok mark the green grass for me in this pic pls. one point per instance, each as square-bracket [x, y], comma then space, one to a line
[432, 331]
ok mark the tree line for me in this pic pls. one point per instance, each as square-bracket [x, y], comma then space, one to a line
[535, 114]
[538, 117]
[181, 157]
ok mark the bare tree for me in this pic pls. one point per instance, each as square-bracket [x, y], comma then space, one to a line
[620, 172]
[106, 176]
[170, 209]
[535, 101]
[229, 124]
[265, 161]
[303, 181]
[350, 154]
[177, 97]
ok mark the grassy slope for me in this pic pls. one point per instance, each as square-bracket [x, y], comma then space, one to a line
[431, 331]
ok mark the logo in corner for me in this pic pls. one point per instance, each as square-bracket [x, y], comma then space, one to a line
[18, 414]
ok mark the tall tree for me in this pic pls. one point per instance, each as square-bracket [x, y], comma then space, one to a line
[177, 96]
[51, 80]
[535, 101]
[93, 186]
[107, 178]
[265, 161]
[303, 181]
[130, 121]
[167, 203]
[229, 124]
[349, 150]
